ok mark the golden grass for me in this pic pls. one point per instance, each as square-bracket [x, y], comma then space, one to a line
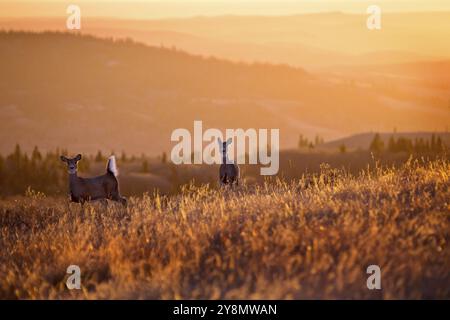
[312, 238]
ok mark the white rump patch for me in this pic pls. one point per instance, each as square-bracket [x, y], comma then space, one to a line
[112, 166]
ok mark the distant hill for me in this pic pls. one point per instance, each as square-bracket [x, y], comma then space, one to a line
[305, 40]
[426, 73]
[362, 141]
[85, 93]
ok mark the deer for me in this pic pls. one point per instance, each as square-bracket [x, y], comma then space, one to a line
[229, 172]
[102, 187]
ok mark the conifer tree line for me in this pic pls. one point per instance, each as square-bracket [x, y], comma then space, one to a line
[18, 171]
[434, 145]
[44, 172]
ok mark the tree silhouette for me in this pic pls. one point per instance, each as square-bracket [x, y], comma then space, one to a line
[392, 145]
[145, 166]
[123, 157]
[377, 144]
[99, 157]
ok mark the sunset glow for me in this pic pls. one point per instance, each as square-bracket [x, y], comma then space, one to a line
[146, 9]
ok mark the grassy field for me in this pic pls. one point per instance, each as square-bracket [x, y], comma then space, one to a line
[309, 238]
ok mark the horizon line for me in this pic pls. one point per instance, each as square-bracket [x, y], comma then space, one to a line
[224, 15]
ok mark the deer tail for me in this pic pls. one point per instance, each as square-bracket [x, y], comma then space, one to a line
[112, 167]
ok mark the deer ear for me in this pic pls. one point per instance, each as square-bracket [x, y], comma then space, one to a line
[63, 158]
[229, 141]
[78, 157]
[219, 140]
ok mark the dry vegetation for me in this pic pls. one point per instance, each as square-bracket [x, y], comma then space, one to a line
[312, 238]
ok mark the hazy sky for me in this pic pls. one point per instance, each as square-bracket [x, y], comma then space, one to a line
[143, 9]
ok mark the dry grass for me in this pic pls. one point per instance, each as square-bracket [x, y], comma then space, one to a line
[310, 239]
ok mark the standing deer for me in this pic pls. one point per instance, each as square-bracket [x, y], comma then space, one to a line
[101, 187]
[229, 171]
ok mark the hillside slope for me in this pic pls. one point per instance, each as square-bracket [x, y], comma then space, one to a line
[305, 40]
[85, 94]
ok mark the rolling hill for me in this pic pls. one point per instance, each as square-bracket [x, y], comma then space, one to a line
[86, 93]
[305, 40]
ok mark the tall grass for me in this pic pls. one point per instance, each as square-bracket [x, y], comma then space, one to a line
[310, 238]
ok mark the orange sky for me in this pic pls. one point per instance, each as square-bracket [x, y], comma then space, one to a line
[148, 9]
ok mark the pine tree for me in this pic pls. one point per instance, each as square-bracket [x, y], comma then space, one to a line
[439, 145]
[426, 146]
[123, 157]
[433, 143]
[318, 140]
[377, 145]
[392, 147]
[84, 165]
[17, 155]
[419, 146]
[404, 145]
[99, 157]
[302, 142]
[2, 165]
[36, 154]
[145, 166]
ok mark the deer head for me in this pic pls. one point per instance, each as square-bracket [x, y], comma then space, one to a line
[71, 163]
[223, 149]
[224, 144]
